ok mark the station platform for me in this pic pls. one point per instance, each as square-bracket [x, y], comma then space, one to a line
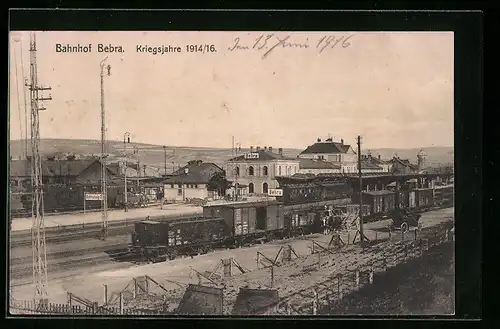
[21, 224]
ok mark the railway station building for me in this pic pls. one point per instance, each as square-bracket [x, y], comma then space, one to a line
[335, 152]
[258, 169]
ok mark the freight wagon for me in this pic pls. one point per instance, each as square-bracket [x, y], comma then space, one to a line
[315, 190]
[381, 203]
[166, 239]
[425, 198]
[249, 221]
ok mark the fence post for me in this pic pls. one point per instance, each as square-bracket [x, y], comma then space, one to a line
[315, 302]
[415, 234]
[288, 308]
[348, 237]
[402, 235]
[384, 264]
[357, 279]
[371, 274]
[272, 275]
[339, 286]
[376, 236]
[390, 234]
[319, 259]
[105, 294]
[406, 252]
[69, 298]
[134, 293]
[121, 303]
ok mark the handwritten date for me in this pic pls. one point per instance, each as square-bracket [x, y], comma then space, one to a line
[270, 42]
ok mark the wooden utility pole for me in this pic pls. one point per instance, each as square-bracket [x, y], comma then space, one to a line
[104, 183]
[362, 236]
[38, 229]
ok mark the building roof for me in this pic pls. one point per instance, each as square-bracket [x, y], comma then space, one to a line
[404, 162]
[264, 155]
[327, 147]
[368, 164]
[378, 161]
[195, 172]
[22, 168]
[317, 164]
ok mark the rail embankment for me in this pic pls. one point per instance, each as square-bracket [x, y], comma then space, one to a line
[422, 286]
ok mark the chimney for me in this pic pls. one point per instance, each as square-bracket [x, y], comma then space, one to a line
[251, 149]
[186, 171]
[280, 151]
[270, 148]
[379, 156]
[319, 140]
[265, 148]
[342, 141]
[258, 148]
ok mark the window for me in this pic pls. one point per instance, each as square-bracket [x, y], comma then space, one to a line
[195, 185]
[237, 171]
[179, 185]
[179, 191]
[279, 170]
[250, 171]
[264, 171]
[171, 185]
[265, 188]
[250, 188]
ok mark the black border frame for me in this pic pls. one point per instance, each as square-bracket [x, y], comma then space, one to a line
[468, 29]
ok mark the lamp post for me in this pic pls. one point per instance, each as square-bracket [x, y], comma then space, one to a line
[126, 140]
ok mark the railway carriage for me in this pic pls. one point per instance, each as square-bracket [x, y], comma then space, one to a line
[166, 239]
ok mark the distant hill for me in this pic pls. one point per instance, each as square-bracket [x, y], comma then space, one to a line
[154, 154]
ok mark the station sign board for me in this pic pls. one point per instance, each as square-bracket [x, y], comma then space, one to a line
[275, 192]
[253, 155]
[93, 197]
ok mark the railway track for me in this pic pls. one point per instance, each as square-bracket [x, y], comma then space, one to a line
[64, 233]
[21, 269]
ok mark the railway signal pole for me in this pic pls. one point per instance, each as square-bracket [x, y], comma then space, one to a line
[362, 236]
[104, 183]
[38, 229]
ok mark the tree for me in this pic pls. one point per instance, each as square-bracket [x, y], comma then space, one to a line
[218, 182]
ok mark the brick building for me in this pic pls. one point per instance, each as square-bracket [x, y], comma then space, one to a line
[259, 168]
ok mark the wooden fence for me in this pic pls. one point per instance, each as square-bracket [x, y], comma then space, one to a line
[339, 285]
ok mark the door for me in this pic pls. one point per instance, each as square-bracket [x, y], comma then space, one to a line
[250, 188]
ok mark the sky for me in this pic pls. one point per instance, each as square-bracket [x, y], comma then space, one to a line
[395, 89]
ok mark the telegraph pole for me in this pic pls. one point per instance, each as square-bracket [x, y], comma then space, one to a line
[104, 183]
[361, 241]
[38, 229]
[165, 153]
[126, 138]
